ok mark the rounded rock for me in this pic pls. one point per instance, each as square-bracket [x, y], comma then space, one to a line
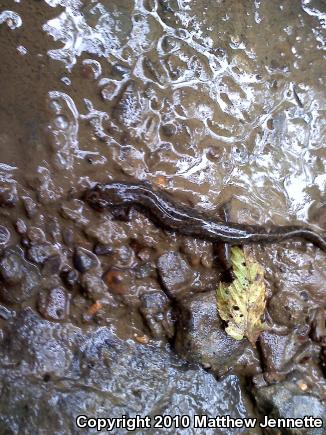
[85, 260]
[69, 277]
[4, 235]
[52, 304]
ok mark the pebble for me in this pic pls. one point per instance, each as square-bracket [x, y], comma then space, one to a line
[36, 235]
[39, 253]
[156, 311]
[103, 249]
[93, 285]
[69, 277]
[124, 257]
[142, 339]
[53, 303]
[8, 195]
[21, 226]
[52, 265]
[144, 254]
[5, 313]
[109, 91]
[174, 272]
[30, 206]
[11, 268]
[145, 271]
[85, 260]
[4, 235]
[20, 278]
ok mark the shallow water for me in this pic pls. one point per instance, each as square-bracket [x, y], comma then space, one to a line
[180, 90]
[215, 101]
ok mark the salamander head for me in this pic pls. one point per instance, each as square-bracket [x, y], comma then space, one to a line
[108, 195]
[94, 199]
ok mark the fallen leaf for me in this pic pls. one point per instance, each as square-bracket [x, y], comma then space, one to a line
[242, 303]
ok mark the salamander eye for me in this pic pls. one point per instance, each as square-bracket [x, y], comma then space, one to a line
[93, 197]
[101, 203]
[100, 188]
[95, 200]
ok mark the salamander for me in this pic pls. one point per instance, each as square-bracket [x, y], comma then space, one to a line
[170, 215]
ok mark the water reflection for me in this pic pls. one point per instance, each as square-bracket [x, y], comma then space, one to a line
[158, 87]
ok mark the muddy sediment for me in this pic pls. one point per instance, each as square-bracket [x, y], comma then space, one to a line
[104, 314]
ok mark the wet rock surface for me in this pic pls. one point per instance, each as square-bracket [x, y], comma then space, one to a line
[85, 260]
[106, 311]
[175, 273]
[157, 312]
[19, 279]
[285, 400]
[201, 338]
[62, 371]
[53, 304]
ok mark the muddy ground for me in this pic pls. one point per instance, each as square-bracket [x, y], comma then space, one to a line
[217, 102]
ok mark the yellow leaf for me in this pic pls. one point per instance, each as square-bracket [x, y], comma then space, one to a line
[242, 303]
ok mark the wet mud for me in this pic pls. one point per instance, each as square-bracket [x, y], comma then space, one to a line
[221, 104]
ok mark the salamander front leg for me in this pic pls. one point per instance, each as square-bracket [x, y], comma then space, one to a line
[122, 214]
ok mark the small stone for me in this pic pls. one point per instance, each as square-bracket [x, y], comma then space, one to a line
[277, 350]
[175, 273]
[302, 385]
[36, 235]
[86, 71]
[93, 285]
[19, 277]
[129, 97]
[5, 313]
[259, 381]
[11, 268]
[68, 236]
[30, 206]
[52, 304]
[142, 339]
[287, 308]
[21, 227]
[52, 265]
[4, 235]
[69, 277]
[161, 181]
[119, 71]
[74, 211]
[109, 91]
[25, 242]
[145, 270]
[103, 249]
[168, 130]
[94, 308]
[8, 194]
[124, 257]
[38, 254]
[157, 313]
[144, 254]
[85, 260]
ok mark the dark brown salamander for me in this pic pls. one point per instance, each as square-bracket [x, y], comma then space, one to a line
[185, 220]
